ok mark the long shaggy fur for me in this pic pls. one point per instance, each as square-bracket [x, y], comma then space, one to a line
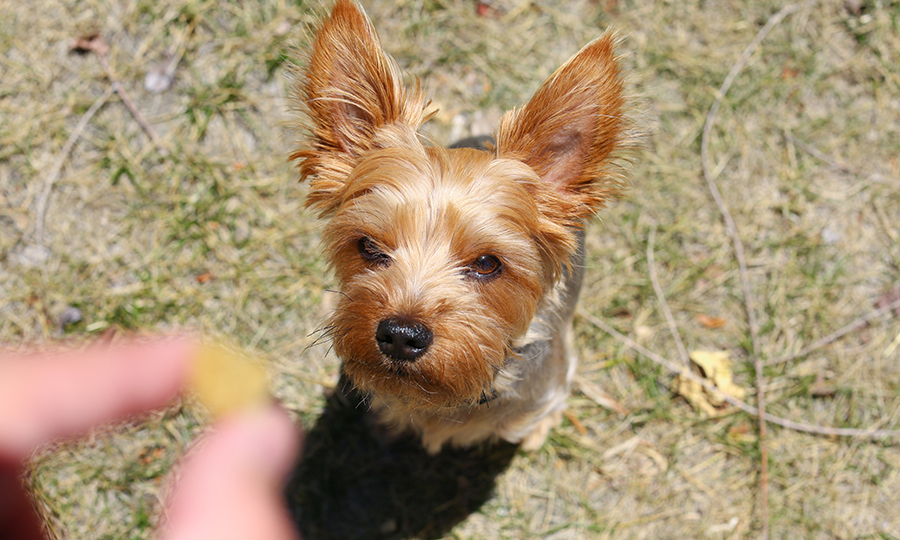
[481, 249]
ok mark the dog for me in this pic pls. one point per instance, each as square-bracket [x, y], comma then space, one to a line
[459, 268]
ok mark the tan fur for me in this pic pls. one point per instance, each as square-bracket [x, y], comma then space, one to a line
[429, 213]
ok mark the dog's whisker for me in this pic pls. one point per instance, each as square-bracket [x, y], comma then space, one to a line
[341, 293]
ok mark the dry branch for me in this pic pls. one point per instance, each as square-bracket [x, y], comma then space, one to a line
[51, 178]
[739, 247]
[869, 433]
[670, 319]
[858, 323]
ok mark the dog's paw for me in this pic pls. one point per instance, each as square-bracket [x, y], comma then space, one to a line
[538, 434]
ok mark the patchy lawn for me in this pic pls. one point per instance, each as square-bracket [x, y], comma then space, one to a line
[204, 228]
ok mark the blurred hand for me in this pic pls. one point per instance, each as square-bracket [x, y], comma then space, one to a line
[229, 486]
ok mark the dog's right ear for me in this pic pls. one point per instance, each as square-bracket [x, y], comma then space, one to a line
[350, 88]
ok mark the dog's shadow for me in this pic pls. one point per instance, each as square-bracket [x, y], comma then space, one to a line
[350, 485]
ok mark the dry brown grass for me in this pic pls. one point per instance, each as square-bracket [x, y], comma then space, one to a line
[211, 235]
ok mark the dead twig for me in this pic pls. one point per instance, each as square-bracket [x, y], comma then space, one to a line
[98, 46]
[51, 178]
[670, 319]
[821, 156]
[869, 433]
[739, 248]
[837, 334]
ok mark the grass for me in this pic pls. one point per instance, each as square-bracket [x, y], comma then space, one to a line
[212, 235]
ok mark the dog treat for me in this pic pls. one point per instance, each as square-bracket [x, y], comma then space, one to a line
[225, 381]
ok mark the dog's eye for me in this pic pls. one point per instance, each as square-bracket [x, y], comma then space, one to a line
[370, 252]
[485, 267]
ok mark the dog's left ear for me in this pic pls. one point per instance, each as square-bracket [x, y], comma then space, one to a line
[350, 88]
[571, 132]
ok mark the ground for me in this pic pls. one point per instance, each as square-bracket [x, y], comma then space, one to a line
[205, 229]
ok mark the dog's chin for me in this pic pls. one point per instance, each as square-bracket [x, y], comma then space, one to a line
[404, 387]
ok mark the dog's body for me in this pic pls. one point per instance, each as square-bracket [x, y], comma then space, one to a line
[459, 268]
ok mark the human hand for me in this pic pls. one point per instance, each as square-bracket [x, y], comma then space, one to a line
[229, 485]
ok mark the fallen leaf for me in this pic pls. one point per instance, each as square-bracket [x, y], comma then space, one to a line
[788, 72]
[710, 322]
[90, 43]
[742, 433]
[485, 9]
[204, 277]
[715, 367]
[694, 393]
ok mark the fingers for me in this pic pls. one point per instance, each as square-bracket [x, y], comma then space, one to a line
[17, 517]
[230, 485]
[47, 396]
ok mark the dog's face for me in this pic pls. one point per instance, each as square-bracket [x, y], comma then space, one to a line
[444, 256]
[441, 264]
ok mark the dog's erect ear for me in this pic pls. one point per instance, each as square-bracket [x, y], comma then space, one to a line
[571, 132]
[349, 88]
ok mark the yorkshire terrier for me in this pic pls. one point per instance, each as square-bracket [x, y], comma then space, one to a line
[459, 268]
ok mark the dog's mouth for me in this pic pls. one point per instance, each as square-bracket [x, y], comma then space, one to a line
[412, 386]
[414, 363]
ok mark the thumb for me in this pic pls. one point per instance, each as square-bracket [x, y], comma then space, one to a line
[230, 484]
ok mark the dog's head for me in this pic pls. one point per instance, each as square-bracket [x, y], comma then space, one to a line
[444, 256]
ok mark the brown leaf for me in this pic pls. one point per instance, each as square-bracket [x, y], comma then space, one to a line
[485, 9]
[90, 43]
[709, 321]
[787, 72]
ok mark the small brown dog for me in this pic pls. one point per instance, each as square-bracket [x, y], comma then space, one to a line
[459, 269]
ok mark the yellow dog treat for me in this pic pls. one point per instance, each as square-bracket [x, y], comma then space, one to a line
[226, 381]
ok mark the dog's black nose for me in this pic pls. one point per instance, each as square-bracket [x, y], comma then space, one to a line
[402, 339]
